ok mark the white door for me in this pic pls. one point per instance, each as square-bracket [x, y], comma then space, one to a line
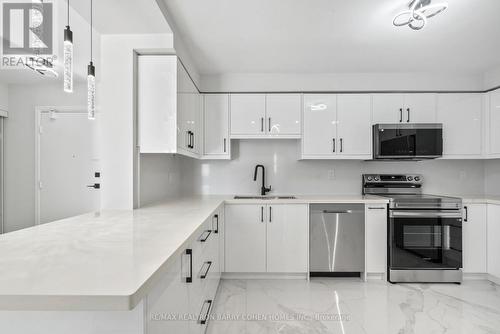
[376, 238]
[320, 125]
[494, 123]
[474, 238]
[283, 114]
[248, 113]
[354, 129]
[68, 163]
[388, 108]
[216, 111]
[462, 124]
[245, 238]
[287, 238]
[420, 108]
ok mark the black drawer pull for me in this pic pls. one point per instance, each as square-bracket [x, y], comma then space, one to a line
[204, 236]
[466, 219]
[376, 208]
[208, 264]
[189, 278]
[204, 319]
[216, 217]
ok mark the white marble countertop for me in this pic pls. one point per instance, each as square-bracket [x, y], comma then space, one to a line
[479, 199]
[107, 260]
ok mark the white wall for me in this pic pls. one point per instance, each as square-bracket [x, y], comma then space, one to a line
[117, 113]
[492, 177]
[340, 82]
[20, 146]
[287, 175]
[492, 78]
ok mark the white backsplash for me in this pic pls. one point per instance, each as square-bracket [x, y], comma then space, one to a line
[288, 175]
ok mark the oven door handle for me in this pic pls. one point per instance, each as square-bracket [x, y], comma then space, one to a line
[424, 214]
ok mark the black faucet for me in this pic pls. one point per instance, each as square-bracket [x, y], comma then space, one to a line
[263, 190]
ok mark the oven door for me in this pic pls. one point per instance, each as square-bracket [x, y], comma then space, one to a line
[425, 239]
[407, 141]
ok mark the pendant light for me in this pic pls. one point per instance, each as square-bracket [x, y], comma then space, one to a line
[68, 58]
[417, 14]
[91, 77]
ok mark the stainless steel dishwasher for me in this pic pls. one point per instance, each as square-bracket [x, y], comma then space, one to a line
[337, 240]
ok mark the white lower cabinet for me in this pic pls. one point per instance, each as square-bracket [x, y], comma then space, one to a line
[474, 238]
[266, 238]
[376, 238]
[182, 302]
[493, 244]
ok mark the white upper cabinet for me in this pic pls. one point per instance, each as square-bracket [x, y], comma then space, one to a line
[283, 114]
[354, 129]
[474, 238]
[494, 124]
[461, 115]
[388, 108]
[493, 246]
[320, 125]
[248, 115]
[169, 107]
[216, 126]
[404, 108]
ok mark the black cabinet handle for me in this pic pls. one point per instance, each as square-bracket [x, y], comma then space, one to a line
[334, 145]
[270, 214]
[376, 208]
[408, 110]
[189, 278]
[225, 145]
[95, 186]
[400, 115]
[341, 145]
[204, 319]
[466, 208]
[262, 124]
[216, 217]
[204, 236]
[205, 274]
[269, 124]
[188, 141]
[261, 214]
[192, 139]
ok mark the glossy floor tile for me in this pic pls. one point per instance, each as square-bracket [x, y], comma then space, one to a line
[348, 306]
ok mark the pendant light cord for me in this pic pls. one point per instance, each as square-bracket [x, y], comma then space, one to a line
[68, 13]
[91, 30]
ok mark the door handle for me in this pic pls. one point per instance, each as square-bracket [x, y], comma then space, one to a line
[376, 208]
[95, 186]
[269, 124]
[204, 236]
[400, 115]
[408, 111]
[337, 212]
[261, 214]
[334, 145]
[466, 208]
[205, 274]
[192, 139]
[203, 319]
[225, 145]
[216, 217]
[189, 278]
[341, 145]
[262, 124]
[188, 141]
[270, 214]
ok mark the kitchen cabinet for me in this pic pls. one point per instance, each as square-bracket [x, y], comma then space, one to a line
[336, 127]
[266, 238]
[283, 114]
[245, 238]
[265, 115]
[216, 127]
[248, 114]
[461, 115]
[493, 245]
[4, 100]
[494, 124]
[474, 238]
[169, 107]
[404, 108]
[287, 244]
[376, 238]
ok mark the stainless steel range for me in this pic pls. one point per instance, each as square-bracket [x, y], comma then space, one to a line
[424, 231]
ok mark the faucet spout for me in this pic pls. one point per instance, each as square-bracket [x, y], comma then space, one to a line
[263, 189]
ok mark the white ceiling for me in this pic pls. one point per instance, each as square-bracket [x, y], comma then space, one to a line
[335, 36]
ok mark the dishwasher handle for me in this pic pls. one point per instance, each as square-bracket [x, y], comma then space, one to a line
[337, 211]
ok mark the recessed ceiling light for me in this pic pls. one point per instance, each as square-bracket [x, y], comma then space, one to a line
[418, 12]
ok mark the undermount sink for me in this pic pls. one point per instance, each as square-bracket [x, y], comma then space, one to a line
[264, 197]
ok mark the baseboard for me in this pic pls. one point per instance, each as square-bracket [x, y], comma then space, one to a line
[475, 277]
[494, 279]
[376, 276]
[265, 276]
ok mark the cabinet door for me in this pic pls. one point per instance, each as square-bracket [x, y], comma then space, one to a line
[4, 98]
[376, 238]
[194, 122]
[420, 108]
[287, 234]
[184, 109]
[245, 238]
[248, 113]
[474, 238]
[388, 108]
[216, 112]
[492, 243]
[494, 123]
[157, 108]
[354, 127]
[283, 114]
[320, 125]
[462, 124]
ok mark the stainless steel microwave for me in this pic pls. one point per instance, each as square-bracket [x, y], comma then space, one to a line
[410, 141]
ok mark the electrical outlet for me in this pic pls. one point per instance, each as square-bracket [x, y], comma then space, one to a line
[331, 174]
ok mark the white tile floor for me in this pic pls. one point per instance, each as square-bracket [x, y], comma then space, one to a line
[348, 306]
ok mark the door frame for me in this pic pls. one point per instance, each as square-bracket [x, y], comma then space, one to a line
[38, 116]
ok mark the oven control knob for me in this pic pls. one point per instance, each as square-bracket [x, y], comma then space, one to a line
[369, 178]
[376, 178]
[417, 178]
[410, 178]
